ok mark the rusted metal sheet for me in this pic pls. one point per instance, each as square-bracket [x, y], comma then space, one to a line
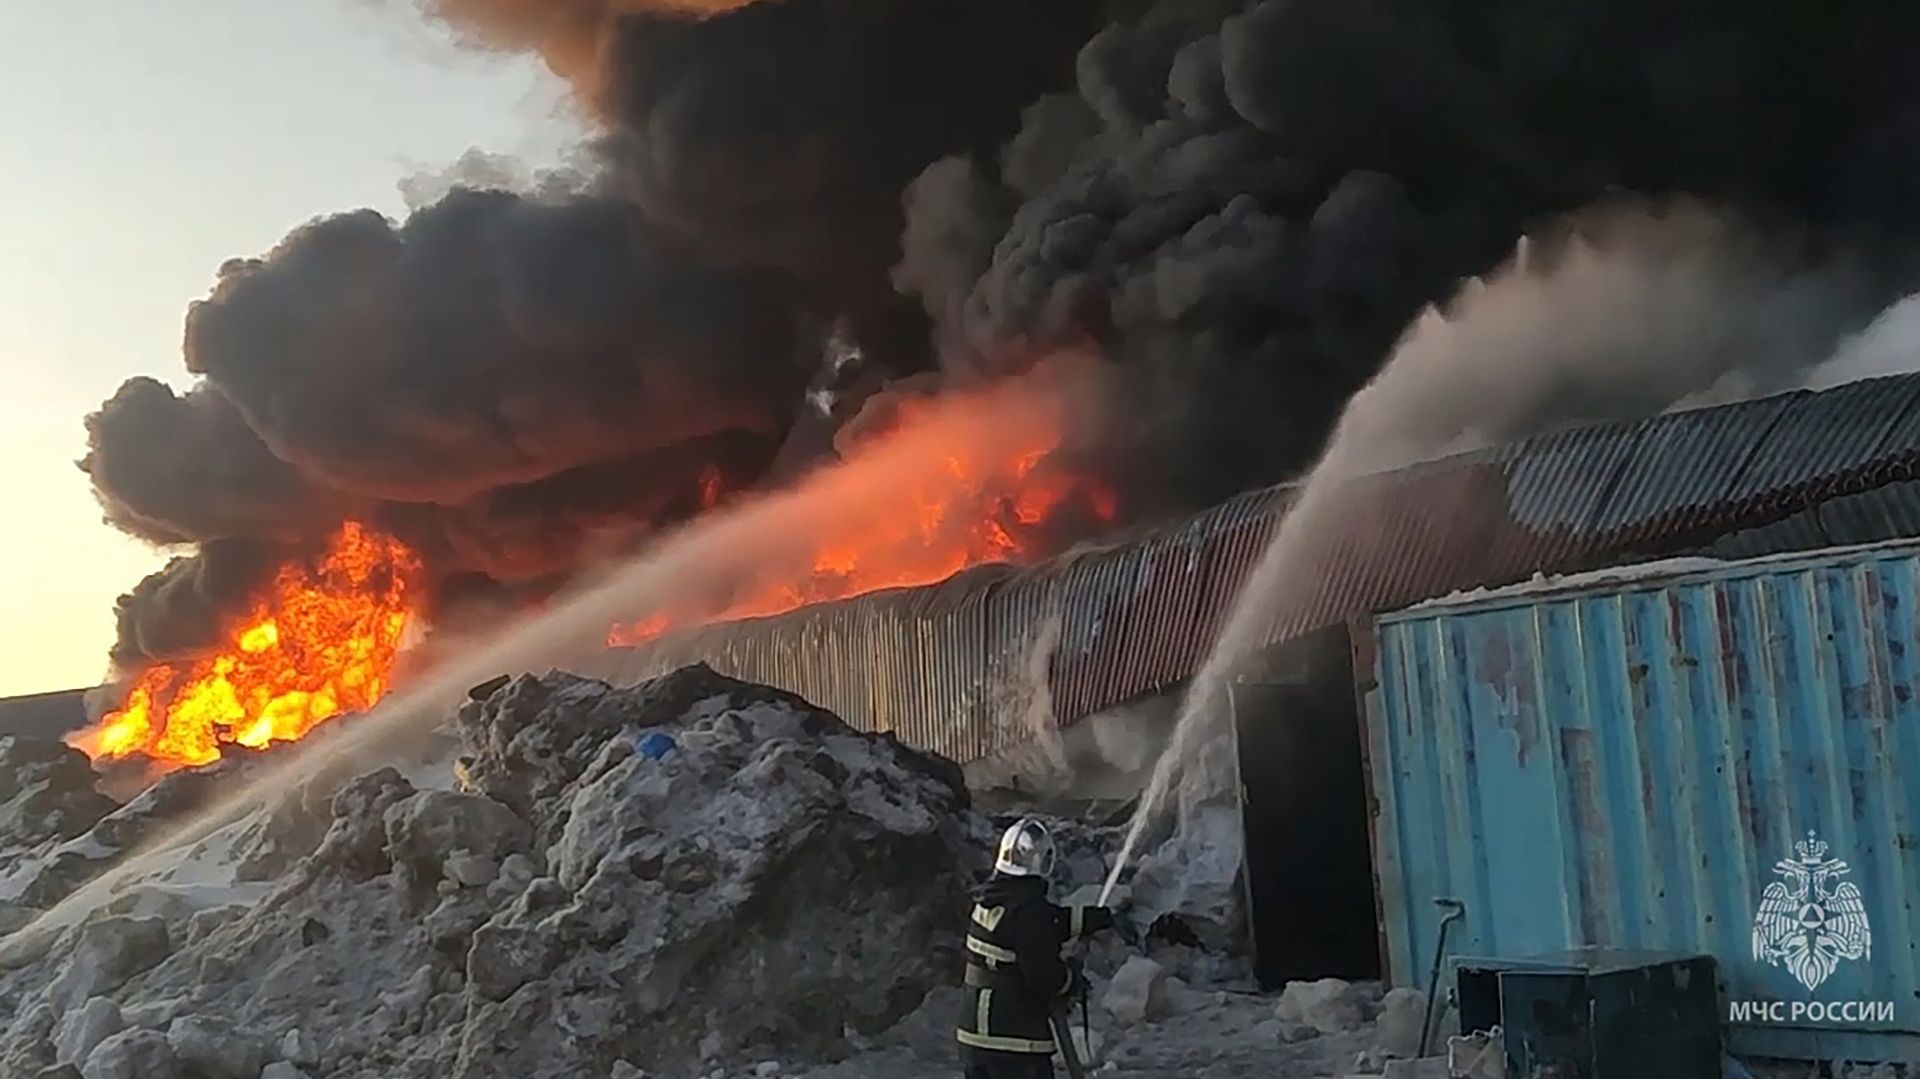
[958, 713]
[1232, 544]
[1625, 764]
[1162, 637]
[1387, 540]
[1024, 626]
[1086, 652]
[894, 681]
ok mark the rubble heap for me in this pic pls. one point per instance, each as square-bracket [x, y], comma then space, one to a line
[655, 878]
[47, 803]
[57, 831]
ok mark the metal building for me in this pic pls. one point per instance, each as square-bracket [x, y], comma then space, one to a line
[1632, 759]
[961, 667]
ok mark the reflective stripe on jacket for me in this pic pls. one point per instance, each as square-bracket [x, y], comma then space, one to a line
[1016, 973]
[1003, 1012]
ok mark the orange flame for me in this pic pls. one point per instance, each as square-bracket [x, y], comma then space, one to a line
[709, 487]
[985, 502]
[320, 642]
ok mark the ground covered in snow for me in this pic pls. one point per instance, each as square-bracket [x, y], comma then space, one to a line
[582, 903]
[695, 877]
[690, 879]
[1181, 1033]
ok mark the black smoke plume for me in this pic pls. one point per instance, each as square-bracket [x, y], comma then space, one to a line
[1242, 204]
[1248, 202]
[172, 614]
[519, 382]
[489, 342]
[185, 468]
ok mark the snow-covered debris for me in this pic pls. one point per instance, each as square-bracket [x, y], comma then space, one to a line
[216, 1048]
[132, 1054]
[1329, 1005]
[46, 792]
[58, 832]
[771, 885]
[1423, 1068]
[1403, 1012]
[1090, 1045]
[47, 801]
[1193, 875]
[85, 1028]
[1138, 992]
[15, 918]
[103, 955]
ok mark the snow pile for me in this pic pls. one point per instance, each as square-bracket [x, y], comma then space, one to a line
[773, 883]
[47, 801]
[46, 792]
[1222, 1034]
[37, 876]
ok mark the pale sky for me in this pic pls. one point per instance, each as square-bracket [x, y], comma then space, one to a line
[142, 143]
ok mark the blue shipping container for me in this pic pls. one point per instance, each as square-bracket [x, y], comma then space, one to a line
[1629, 761]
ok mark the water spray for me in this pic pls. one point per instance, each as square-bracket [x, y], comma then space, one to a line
[686, 569]
[1637, 311]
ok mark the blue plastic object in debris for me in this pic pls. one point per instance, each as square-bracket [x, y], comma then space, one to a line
[655, 745]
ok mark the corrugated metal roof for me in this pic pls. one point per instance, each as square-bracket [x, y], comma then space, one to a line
[947, 664]
[1624, 764]
[1883, 513]
[1651, 496]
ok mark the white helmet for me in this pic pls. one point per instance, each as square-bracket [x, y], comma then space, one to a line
[1026, 850]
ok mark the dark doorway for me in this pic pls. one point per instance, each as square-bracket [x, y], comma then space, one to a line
[1303, 804]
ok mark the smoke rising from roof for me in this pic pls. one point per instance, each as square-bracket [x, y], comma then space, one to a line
[1247, 203]
[1618, 314]
[1241, 204]
[1890, 345]
[1622, 313]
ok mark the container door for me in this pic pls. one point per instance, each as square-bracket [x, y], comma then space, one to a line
[1303, 803]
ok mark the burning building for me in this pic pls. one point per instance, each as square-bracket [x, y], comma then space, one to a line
[323, 640]
[1238, 207]
[1052, 675]
[875, 248]
[1079, 655]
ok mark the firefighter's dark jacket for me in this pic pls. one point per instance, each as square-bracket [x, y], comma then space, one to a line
[1017, 973]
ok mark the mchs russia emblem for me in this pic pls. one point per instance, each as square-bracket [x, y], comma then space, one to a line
[1810, 920]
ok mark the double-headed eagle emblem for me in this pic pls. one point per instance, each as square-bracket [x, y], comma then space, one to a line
[1810, 919]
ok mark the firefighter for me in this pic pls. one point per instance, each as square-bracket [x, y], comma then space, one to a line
[1018, 976]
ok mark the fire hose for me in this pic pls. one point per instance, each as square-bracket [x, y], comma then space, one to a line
[1062, 1021]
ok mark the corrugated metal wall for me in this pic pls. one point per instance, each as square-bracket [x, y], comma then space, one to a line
[968, 667]
[1624, 765]
[964, 666]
